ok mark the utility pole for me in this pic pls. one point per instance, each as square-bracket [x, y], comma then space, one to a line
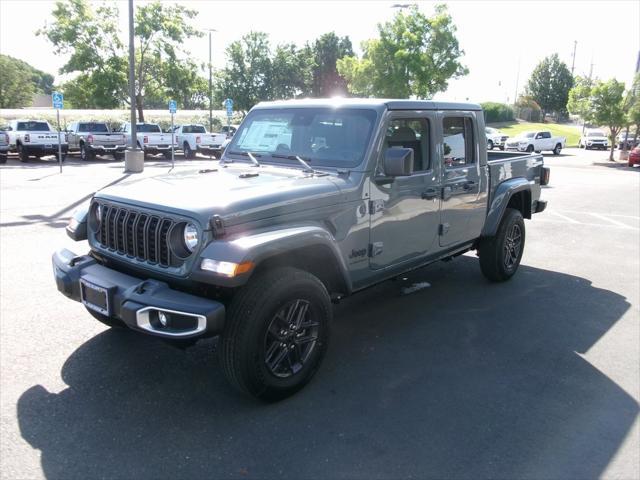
[515, 95]
[133, 158]
[210, 85]
[573, 62]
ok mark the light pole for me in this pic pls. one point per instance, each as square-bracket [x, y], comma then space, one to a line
[210, 30]
[133, 158]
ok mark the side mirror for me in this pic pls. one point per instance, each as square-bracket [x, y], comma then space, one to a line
[398, 162]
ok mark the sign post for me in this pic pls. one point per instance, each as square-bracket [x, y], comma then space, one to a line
[58, 103]
[173, 108]
[228, 103]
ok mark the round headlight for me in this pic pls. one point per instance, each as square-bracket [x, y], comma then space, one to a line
[190, 236]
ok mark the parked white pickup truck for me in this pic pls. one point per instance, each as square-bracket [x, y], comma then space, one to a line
[495, 138]
[92, 138]
[35, 138]
[594, 139]
[150, 138]
[536, 142]
[195, 138]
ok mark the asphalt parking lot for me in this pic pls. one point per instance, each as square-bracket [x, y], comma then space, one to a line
[535, 378]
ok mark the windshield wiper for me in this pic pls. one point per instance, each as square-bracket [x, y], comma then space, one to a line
[252, 157]
[307, 167]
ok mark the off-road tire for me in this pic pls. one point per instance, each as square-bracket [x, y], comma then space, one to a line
[493, 250]
[108, 321]
[252, 311]
[86, 155]
[188, 153]
[557, 149]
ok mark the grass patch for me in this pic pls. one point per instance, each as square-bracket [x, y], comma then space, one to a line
[570, 132]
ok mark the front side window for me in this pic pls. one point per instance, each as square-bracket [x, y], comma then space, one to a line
[411, 133]
[457, 133]
[322, 136]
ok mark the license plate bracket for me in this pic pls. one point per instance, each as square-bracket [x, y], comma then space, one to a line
[95, 297]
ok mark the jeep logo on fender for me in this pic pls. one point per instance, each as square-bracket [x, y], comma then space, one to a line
[358, 253]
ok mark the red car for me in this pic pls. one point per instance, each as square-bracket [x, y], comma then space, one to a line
[634, 157]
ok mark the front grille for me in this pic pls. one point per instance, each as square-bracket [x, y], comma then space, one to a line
[136, 234]
[503, 139]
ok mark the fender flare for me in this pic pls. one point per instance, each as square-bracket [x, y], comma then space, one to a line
[503, 193]
[260, 246]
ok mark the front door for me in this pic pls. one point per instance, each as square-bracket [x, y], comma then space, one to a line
[404, 213]
[463, 201]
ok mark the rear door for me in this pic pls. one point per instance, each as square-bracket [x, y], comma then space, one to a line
[463, 198]
[404, 213]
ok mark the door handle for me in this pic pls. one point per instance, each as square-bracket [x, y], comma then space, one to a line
[429, 194]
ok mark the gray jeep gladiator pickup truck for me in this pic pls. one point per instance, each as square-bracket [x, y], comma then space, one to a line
[312, 200]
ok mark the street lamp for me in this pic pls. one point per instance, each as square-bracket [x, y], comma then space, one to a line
[210, 30]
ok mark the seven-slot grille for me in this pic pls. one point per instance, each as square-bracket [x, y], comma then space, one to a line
[136, 234]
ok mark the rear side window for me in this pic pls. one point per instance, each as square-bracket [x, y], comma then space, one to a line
[148, 128]
[198, 129]
[457, 133]
[411, 133]
[33, 127]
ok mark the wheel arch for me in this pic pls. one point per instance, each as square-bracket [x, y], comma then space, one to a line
[513, 193]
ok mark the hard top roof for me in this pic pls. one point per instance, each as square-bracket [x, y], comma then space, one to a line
[376, 103]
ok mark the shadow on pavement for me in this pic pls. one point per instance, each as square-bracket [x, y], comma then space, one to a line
[617, 165]
[464, 379]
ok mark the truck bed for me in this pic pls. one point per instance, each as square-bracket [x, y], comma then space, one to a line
[504, 166]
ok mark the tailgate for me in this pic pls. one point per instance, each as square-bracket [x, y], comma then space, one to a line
[106, 139]
[212, 139]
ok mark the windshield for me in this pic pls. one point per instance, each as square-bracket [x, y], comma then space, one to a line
[93, 127]
[148, 128]
[595, 133]
[321, 136]
[33, 127]
[527, 134]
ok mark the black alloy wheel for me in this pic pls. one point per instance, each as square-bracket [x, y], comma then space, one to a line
[512, 247]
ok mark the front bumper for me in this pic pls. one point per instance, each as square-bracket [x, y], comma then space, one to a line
[158, 148]
[604, 145]
[136, 302]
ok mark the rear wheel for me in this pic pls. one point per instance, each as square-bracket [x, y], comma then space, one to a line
[500, 255]
[22, 153]
[557, 149]
[188, 153]
[276, 333]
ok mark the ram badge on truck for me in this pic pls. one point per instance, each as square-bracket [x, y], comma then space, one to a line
[312, 200]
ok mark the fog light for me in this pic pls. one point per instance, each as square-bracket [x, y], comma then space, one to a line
[163, 318]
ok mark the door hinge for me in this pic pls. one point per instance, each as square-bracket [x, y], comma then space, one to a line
[444, 228]
[375, 249]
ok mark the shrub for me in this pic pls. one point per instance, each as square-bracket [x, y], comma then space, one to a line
[497, 112]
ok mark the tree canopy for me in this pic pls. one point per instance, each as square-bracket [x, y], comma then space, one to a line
[19, 82]
[414, 55]
[549, 84]
[608, 106]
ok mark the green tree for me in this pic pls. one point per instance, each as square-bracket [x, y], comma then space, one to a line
[414, 55]
[291, 72]
[247, 76]
[608, 106]
[326, 51]
[88, 36]
[549, 85]
[579, 102]
[16, 83]
[160, 32]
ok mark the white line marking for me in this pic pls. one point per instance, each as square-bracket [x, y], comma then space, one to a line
[570, 220]
[608, 214]
[548, 220]
[615, 222]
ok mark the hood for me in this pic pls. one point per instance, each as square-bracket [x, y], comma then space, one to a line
[233, 191]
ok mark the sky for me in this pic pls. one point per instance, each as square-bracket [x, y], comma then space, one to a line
[502, 40]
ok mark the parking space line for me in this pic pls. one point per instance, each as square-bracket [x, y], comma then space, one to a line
[614, 222]
[608, 214]
[584, 224]
[570, 220]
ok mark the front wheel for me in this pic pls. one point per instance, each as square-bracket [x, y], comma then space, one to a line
[530, 149]
[490, 145]
[500, 255]
[188, 153]
[557, 149]
[276, 333]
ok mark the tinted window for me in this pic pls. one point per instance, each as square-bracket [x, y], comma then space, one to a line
[93, 127]
[411, 133]
[323, 136]
[546, 134]
[457, 135]
[33, 126]
[148, 128]
[198, 129]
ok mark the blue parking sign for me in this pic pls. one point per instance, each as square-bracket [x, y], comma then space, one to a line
[58, 100]
[173, 106]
